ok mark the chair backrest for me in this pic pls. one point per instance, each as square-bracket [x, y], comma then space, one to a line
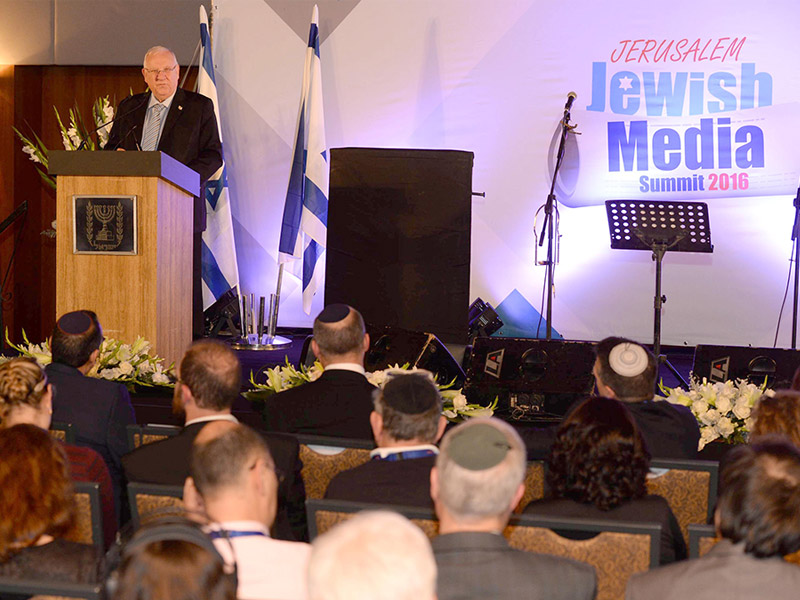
[88, 527]
[534, 484]
[323, 514]
[49, 589]
[63, 432]
[324, 457]
[147, 434]
[151, 498]
[689, 487]
[617, 550]
[702, 538]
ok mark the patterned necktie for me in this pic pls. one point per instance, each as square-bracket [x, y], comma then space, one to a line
[150, 138]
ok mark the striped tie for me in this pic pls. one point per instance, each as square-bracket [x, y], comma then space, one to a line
[150, 138]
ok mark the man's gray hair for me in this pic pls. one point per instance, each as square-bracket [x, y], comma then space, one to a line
[376, 555]
[157, 50]
[470, 494]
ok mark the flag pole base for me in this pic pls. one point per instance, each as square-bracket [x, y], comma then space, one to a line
[267, 342]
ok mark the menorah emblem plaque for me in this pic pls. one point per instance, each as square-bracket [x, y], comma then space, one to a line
[105, 224]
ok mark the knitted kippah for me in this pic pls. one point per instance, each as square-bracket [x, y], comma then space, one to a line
[333, 313]
[628, 360]
[411, 394]
[75, 323]
[478, 447]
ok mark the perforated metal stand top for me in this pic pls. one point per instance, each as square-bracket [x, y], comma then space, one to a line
[638, 225]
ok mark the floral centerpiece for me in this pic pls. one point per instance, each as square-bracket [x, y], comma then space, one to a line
[131, 364]
[73, 135]
[722, 409]
[283, 377]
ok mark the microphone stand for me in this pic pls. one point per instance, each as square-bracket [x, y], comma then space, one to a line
[548, 224]
[7, 222]
[796, 239]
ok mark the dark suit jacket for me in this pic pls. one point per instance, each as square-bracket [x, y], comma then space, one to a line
[99, 411]
[669, 430]
[651, 509]
[406, 482]
[725, 572]
[337, 404]
[483, 565]
[167, 462]
[190, 133]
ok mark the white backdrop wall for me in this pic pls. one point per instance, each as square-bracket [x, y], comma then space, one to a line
[492, 78]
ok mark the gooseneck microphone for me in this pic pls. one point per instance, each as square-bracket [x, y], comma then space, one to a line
[125, 114]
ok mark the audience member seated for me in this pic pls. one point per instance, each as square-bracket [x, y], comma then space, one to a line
[98, 410]
[757, 517]
[777, 415]
[233, 479]
[476, 483]
[27, 397]
[407, 422]
[339, 402]
[36, 509]
[376, 555]
[209, 380]
[627, 371]
[171, 559]
[597, 469]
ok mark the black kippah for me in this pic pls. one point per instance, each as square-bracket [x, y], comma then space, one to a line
[411, 394]
[333, 313]
[75, 323]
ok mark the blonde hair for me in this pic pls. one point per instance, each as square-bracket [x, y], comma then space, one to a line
[22, 382]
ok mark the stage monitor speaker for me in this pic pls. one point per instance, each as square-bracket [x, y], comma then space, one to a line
[722, 363]
[394, 346]
[533, 379]
[399, 226]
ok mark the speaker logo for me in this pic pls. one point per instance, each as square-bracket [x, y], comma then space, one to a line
[719, 369]
[494, 362]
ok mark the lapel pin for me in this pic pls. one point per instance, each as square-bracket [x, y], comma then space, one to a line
[180, 107]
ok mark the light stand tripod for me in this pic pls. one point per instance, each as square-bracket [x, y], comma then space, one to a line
[659, 227]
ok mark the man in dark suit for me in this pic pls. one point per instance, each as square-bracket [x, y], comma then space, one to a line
[339, 403]
[407, 422]
[476, 483]
[209, 380]
[757, 519]
[98, 410]
[179, 123]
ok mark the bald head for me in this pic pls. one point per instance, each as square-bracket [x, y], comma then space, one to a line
[212, 373]
[339, 335]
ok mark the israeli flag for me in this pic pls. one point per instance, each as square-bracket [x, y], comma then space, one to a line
[305, 216]
[220, 269]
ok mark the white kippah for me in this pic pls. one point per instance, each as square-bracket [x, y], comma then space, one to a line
[628, 360]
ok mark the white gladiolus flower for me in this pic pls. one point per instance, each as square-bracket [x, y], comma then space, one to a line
[710, 417]
[160, 378]
[460, 402]
[125, 368]
[742, 409]
[699, 407]
[707, 435]
[72, 132]
[31, 152]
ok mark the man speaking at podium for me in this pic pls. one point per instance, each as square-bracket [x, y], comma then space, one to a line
[179, 123]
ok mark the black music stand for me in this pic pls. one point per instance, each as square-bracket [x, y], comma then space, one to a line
[659, 227]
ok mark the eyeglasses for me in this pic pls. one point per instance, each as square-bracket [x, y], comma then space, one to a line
[158, 72]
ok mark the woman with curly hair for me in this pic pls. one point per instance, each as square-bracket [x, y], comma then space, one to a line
[27, 397]
[777, 415]
[36, 509]
[597, 469]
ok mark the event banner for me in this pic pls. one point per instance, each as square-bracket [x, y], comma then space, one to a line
[681, 118]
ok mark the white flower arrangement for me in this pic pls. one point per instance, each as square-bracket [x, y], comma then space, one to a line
[284, 377]
[73, 135]
[131, 364]
[722, 409]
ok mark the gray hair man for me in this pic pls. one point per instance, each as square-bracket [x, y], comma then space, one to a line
[376, 555]
[476, 484]
[407, 422]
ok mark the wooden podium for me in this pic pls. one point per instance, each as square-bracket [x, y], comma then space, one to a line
[139, 286]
